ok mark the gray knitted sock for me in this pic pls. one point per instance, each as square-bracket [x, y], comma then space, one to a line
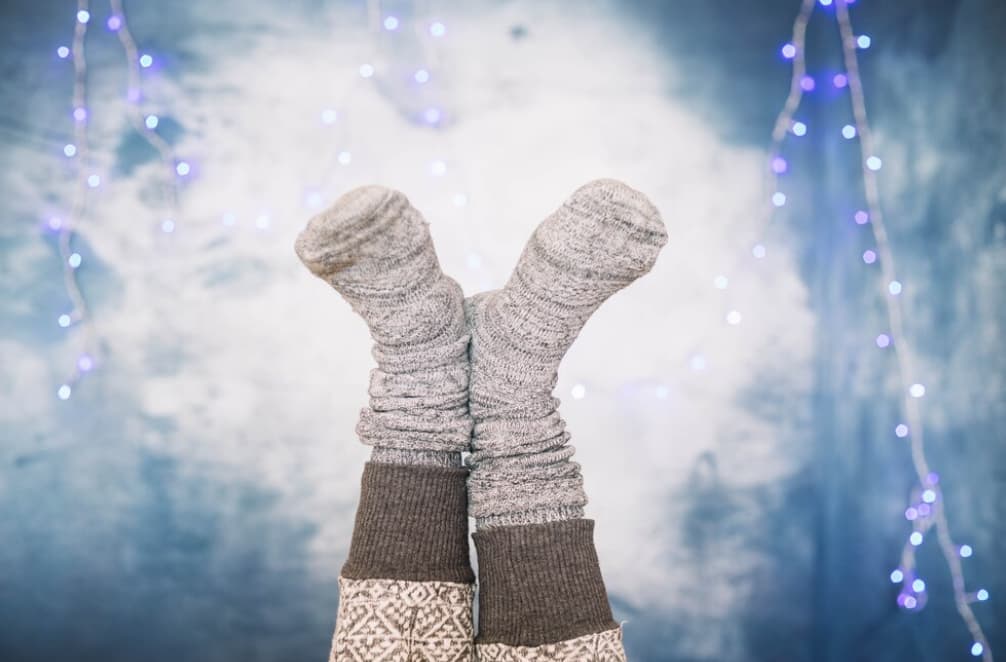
[374, 248]
[603, 237]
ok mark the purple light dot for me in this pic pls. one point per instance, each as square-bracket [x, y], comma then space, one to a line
[862, 218]
[788, 51]
[133, 95]
[910, 602]
[114, 22]
[840, 80]
[55, 223]
[925, 510]
[807, 84]
[883, 341]
[85, 363]
[779, 165]
[869, 257]
[431, 115]
[933, 478]
[80, 114]
[911, 514]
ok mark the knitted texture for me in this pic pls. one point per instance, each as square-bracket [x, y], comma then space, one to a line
[374, 248]
[540, 584]
[412, 523]
[391, 620]
[605, 236]
[600, 647]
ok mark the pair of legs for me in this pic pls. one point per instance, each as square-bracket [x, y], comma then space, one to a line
[474, 375]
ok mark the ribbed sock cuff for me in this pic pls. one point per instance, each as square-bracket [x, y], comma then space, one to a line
[540, 584]
[411, 524]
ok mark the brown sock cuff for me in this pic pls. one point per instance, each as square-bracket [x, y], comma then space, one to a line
[540, 584]
[411, 524]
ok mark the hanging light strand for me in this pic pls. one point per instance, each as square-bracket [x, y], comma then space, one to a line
[931, 494]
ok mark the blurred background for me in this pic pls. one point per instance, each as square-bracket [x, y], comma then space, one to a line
[791, 430]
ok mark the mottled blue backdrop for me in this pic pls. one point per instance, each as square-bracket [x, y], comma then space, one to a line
[192, 499]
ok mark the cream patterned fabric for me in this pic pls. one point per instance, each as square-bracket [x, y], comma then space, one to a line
[601, 647]
[389, 620]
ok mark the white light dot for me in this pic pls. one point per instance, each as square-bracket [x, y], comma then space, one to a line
[183, 168]
[64, 320]
[915, 538]
[869, 256]
[901, 430]
[883, 340]
[438, 167]
[345, 158]
[825, 3]
[74, 260]
[789, 51]
[982, 595]
[63, 393]
[778, 198]
[799, 129]
[69, 149]
[262, 221]
[94, 181]
[431, 115]
[848, 132]
[63, 52]
[965, 551]
[421, 75]
[438, 29]
[146, 60]
[918, 586]
[697, 363]
[391, 23]
[862, 217]
[167, 226]
[897, 576]
[758, 251]
[366, 70]
[578, 391]
[733, 318]
[863, 41]
[151, 121]
[328, 116]
[83, 16]
[910, 602]
[977, 649]
[313, 199]
[929, 496]
[474, 261]
[874, 163]
[917, 390]
[460, 199]
[721, 282]
[894, 287]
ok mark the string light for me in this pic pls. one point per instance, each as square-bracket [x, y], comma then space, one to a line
[438, 29]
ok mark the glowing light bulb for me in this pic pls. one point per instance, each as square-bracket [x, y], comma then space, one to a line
[874, 163]
[438, 29]
[982, 595]
[578, 391]
[977, 649]
[848, 132]
[114, 22]
[167, 226]
[55, 223]
[63, 52]
[929, 496]
[63, 393]
[64, 320]
[779, 165]
[721, 282]
[391, 23]
[825, 3]
[80, 114]
[421, 75]
[788, 51]
[897, 576]
[431, 115]
[366, 70]
[840, 80]
[918, 586]
[94, 181]
[901, 430]
[799, 129]
[807, 84]
[146, 60]
[911, 514]
[883, 341]
[328, 116]
[917, 390]
[758, 251]
[438, 168]
[894, 287]
[910, 602]
[83, 16]
[69, 149]
[344, 158]
[861, 217]
[151, 121]
[778, 198]
[262, 221]
[915, 538]
[863, 41]
[965, 551]
[869, 256]
[85, 363]
[734, 318]
[183, 168]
